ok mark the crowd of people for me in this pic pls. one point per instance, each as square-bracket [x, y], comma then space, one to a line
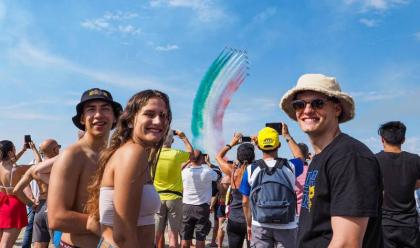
[125, 189]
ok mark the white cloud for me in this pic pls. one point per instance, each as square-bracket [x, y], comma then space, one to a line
[113, 22]
[22, 115]
[378, 96]
[23, 105]
[119, 15]
[370, 23]
[128, 29]
[265, 14]
[206, 10]
[166, 48]
[375, 5]
[27, 54]
[96, 24]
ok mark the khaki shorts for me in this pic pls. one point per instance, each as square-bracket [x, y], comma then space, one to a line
[170, 212]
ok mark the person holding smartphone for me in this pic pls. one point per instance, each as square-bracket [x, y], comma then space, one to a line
[12, 210]
[245, 155]
[268, 189]
[168, 183]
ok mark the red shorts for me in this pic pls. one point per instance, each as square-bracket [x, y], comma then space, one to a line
[12, 212]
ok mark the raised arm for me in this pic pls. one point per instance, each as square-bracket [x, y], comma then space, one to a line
[37, 156]
[348, 231]
[220, 157]
[20, 153]
[294, 148]
[62, 193]
[187, 144]
[128, 188]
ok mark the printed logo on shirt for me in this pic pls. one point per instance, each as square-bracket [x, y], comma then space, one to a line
[309, 189]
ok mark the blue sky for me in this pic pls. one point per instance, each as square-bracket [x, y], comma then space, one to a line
[51, 51]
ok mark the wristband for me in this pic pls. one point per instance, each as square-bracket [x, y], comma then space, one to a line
[229, 146]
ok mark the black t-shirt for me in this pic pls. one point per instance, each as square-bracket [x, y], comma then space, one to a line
[400, 172]
[343, 180]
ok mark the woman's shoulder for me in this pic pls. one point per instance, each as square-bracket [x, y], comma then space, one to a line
[130, 151]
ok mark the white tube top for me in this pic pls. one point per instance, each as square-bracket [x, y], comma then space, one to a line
[150, 204]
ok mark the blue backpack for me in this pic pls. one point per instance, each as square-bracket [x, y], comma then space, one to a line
[273, 198]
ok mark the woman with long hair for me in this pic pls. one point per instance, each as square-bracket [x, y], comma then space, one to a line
[122, 197]
[12, 211]
[236, 226]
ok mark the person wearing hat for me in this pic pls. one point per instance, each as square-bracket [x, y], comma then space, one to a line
[96, 115]
[274, 230]
[342, 193]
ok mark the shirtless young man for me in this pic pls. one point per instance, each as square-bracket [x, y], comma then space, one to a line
[96, 115]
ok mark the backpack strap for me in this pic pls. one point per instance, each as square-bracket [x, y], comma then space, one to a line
[282, 161]
[285, 162]
[257, 163]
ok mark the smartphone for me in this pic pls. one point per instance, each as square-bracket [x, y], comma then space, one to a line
[230, 161]
[245, 139]
[275, 125]
[27, 139]
[173, 132]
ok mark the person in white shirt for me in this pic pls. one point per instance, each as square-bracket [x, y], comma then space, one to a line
[197, 182]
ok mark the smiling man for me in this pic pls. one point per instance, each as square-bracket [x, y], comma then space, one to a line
[342, 192]
[96, 114]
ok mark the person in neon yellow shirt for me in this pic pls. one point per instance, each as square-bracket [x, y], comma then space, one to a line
[168, 183]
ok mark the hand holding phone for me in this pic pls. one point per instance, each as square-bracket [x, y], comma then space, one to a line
[27, 139]
[245, 139]
[278, 126]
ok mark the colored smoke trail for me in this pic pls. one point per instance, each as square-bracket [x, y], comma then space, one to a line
[221, 81]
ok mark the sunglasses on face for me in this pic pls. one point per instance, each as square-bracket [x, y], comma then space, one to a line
[315, 104]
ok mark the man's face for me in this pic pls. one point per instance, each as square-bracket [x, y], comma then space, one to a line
[98, 117]
[316, 121]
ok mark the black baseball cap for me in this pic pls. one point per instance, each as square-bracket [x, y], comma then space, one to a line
[95, 94]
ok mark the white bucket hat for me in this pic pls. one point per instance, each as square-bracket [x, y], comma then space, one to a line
[322, 84]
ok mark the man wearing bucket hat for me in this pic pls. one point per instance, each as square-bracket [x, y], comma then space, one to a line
[343, 191]
[96, 115]
[269, 199]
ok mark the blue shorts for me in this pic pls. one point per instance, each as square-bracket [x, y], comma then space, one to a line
[221, 211]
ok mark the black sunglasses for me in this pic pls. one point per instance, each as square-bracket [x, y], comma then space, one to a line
[315, 104]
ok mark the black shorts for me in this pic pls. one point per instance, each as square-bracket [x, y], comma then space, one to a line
[195, 217]
[41, 232]
[397, 236]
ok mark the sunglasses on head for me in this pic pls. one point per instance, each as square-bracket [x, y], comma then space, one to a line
[315, 103]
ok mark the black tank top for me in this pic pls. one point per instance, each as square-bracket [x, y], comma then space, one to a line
[236, 212]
